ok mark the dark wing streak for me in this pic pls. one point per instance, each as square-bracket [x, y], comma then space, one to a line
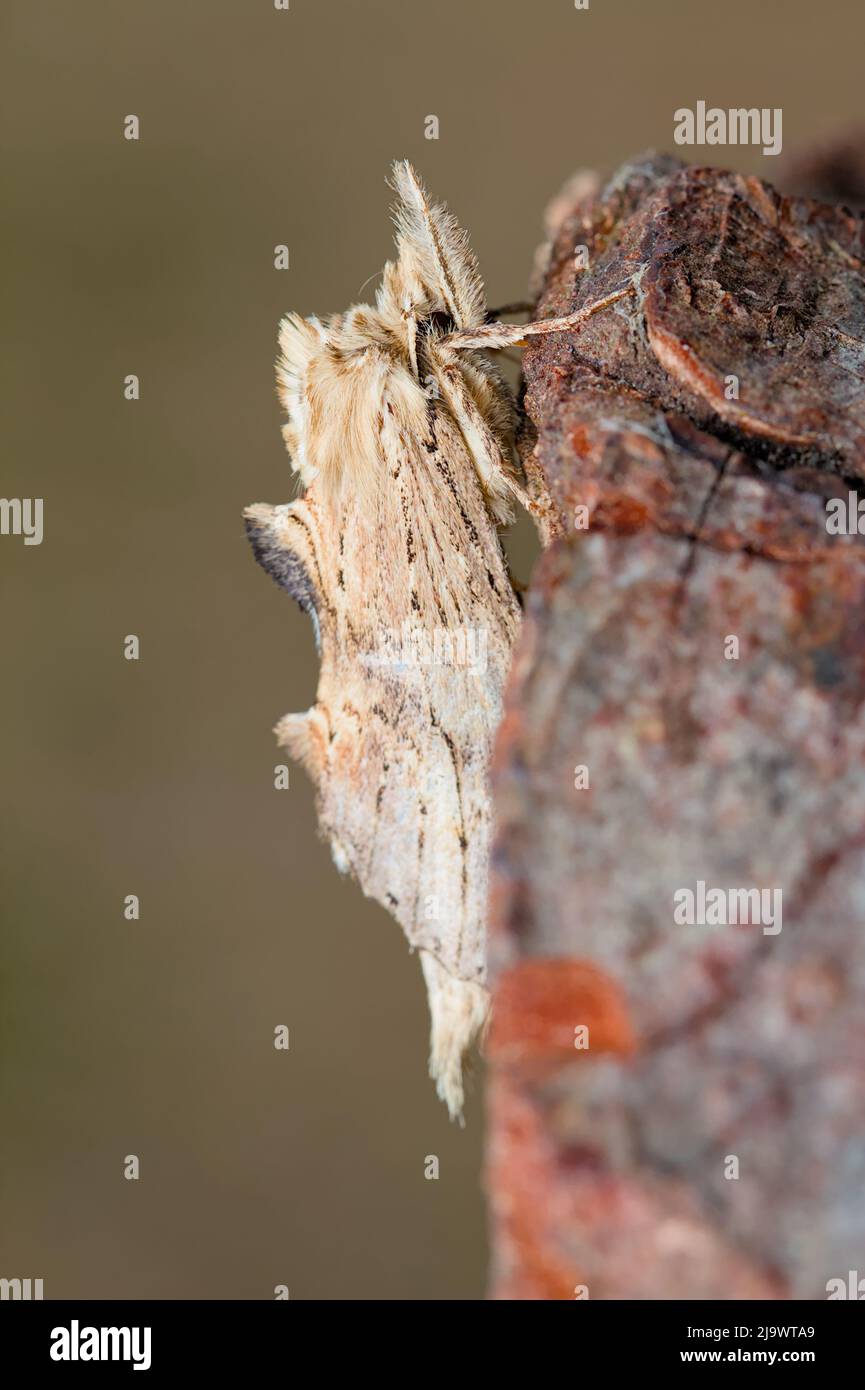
[463, 841]
[421, 839]
[293, 519]
[441, 464]
[422, 503]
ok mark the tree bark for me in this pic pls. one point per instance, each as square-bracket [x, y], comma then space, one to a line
[693, 642]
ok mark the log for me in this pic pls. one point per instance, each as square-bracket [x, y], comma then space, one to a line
[677, 1109]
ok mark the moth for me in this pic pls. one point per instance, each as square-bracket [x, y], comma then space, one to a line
[401, 431]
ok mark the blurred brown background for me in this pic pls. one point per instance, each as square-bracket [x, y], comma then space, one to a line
[156, 778]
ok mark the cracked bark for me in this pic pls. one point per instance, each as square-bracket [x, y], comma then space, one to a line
[707, 519]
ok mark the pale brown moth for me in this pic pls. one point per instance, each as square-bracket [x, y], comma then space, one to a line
[401, 431]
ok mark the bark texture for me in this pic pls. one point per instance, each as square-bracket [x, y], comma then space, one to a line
[702, 423]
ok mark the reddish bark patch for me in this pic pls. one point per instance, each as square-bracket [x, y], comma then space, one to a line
[540, 1004]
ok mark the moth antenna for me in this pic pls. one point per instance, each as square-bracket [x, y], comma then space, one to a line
[433, 245]
[499, 335]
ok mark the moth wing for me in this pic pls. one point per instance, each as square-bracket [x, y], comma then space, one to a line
[398, 740]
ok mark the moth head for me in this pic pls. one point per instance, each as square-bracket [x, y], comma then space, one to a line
[353, 382]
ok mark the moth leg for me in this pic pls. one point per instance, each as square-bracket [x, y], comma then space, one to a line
[483, 446]
[493, 468]
[499, 335]
[540, 507]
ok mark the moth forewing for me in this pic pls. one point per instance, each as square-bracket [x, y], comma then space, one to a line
[401, 431]
[417, 618]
